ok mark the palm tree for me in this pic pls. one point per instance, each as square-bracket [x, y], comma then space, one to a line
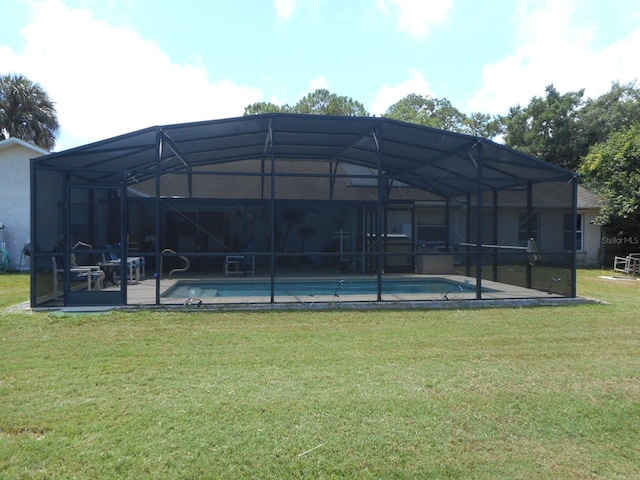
[26, 112]
[292, 216]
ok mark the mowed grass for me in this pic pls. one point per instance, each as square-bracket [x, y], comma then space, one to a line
[14, 288]
[524, 393]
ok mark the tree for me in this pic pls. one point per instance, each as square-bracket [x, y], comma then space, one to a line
[323, 102]
[610, 112]
[546, 128]
[26, 112]
[292, 216]
[265, 107]
[427, 111]
[306, 233]
[319, 102]
[483, 125]
[612, 169]
[440, 113]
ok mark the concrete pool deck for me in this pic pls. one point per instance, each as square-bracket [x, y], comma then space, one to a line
[500, 294]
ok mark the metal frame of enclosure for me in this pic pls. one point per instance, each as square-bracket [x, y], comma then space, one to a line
[280, 196]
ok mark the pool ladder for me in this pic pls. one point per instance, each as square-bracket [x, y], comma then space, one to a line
[187, 264]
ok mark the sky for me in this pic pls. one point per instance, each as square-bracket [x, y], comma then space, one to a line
[116, 66]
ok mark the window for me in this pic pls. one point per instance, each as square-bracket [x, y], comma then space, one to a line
[568, 231]
[523, 235]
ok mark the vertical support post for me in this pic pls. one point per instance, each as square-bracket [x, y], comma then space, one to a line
[33, 233]
[529, 272]
[447, 222]
[574, 241]
[385, 235]
[479, 221]
[333, 170]
[124, 238]
[495, 235]
[414, 238]
[272, 260]
[467, 256]
[363, 240]
[381, 259]
[66, 254]
[158, 255]
[269, 141]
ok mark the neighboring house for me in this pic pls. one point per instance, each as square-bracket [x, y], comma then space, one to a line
[589, 251]
[15, 155]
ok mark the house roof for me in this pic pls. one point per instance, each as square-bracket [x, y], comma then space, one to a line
[588, 199]
[441, 162]
[13, 142]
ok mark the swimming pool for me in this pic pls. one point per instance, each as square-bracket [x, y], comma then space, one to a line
[317, 288]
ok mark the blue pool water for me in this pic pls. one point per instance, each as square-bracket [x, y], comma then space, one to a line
[253, 288]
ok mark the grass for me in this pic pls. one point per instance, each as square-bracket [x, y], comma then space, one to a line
[548, 392]
[14, 289]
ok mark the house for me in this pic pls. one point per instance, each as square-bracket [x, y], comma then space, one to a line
[15, 212]
[306, 196]
[590, 249]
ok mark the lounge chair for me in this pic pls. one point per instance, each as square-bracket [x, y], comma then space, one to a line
[91, 274]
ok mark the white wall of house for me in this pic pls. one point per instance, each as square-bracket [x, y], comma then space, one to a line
[591, 253]
[551, 222]
[15, 197]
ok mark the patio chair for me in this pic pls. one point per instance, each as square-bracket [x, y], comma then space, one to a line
[233, 265]
[629, 264]
[91, 274]
[135, 265]
[241, 264]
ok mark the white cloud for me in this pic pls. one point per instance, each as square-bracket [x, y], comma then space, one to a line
[387, 96]
[276, 100]
[109, 80]
[318, 83]
[415, 17]
[285, 8]
[552, 50]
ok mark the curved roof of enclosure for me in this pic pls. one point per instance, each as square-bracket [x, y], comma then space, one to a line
[441, 162]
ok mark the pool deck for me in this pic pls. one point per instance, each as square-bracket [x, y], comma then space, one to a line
[143, 293]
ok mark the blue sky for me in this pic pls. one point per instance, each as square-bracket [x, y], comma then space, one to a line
[120, 65]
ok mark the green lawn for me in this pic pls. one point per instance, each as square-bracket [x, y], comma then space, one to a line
[525, 393]
[14, 288]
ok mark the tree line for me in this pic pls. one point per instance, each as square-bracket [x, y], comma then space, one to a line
[597, 137]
